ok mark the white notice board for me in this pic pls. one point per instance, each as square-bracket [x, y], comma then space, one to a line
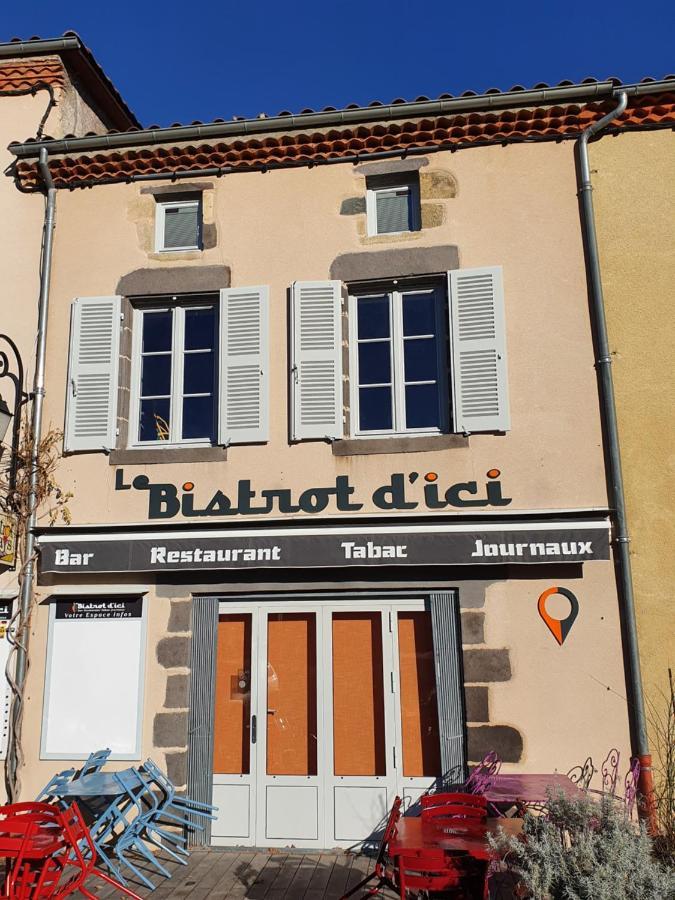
[94, 679]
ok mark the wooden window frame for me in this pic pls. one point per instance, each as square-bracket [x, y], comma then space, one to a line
[377, 187]
[178, 305]
[160, 225]
[395, 293]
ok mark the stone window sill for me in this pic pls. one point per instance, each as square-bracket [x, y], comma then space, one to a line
[170, 455]
[366, 446]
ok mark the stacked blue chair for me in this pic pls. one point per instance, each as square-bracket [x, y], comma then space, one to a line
[137, 809]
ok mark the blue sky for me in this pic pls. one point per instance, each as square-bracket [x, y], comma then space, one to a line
[176, 62]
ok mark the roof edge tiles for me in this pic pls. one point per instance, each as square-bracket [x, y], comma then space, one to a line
[412, 135]
[323, 119]
[82, 64]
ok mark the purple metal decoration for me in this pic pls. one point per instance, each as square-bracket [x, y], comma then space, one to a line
[631, 785]
[610, 771]
[582, 775]
[482, 775]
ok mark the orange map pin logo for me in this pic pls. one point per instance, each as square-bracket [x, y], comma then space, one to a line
[559, 628]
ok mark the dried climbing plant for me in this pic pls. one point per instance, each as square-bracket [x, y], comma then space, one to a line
[51, 503]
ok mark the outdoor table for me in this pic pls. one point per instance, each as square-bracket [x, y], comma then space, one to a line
[526, 788]
[414, 833]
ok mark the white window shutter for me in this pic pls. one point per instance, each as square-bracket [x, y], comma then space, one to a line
[244, 365]
[480, 394]
[316, 373]
[91, 392]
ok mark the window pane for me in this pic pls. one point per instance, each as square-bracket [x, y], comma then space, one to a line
[198, 373]
[393, 211]
[154, 420]
[232, 725]
[157, 331]
[419, 314]
[181, 226]
[156, 375]
[421, 406]
[419, 716]
[359, 745]
[373, 317]
[198, 417]
[291, 694]
[375, 363]
[375, 409]
[421, 363]
[200, 329]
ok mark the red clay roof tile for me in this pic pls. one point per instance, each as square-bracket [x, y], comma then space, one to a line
[451, 131]
[18, 74]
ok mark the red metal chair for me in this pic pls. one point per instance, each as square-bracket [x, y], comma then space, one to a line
[424, 871]
[382, 870]
[80, 854]
[456, 813]
[42, 845]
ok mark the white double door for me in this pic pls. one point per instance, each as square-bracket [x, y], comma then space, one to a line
[323, 713]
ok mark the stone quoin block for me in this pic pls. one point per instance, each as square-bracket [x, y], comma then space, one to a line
[473, 630]
[505, 740]
[177, 690]
[170, 729]
[476, 703]
[486, 665]
[353, 206]
[173, 652]
[179, 618]
[176, 767]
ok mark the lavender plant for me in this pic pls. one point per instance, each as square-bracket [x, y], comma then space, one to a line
[585, 850]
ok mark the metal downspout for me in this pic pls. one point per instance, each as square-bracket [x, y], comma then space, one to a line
[26, 594]
[636, 708]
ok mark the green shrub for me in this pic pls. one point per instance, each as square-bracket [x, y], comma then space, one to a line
[585, 850]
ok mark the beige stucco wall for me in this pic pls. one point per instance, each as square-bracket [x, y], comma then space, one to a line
[568, 701]
[634, 194]
[515, 207]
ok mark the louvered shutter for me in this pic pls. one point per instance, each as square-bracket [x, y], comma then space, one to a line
[479, 377]
[316, 374]
[91, 405]
[244, 365]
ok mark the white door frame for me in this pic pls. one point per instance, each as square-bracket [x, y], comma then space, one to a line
[394, 782]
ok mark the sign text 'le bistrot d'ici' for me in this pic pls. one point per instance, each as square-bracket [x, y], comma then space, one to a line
[331, 544]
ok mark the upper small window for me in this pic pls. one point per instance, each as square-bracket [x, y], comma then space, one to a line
[178, 225]
[393, 204]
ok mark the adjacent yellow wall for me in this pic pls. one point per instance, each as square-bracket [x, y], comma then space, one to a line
[634, 194]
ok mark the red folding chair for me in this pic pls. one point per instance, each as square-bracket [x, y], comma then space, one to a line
[80, 853]
[456, 813]
[43, 845]
[381, 871]
[427, 870]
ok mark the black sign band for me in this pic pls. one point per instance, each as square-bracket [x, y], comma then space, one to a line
[328, 548]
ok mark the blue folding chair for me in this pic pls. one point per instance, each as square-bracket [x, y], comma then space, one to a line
[177, 807]
[94, 762]
[51, 791]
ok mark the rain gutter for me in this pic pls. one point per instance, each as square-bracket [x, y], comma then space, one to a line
[264, 125]
[636, 706]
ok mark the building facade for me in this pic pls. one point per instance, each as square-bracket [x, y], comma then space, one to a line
[634, 199]
[50, 87]
[340, 522]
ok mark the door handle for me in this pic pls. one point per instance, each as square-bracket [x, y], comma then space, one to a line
[254, 729]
